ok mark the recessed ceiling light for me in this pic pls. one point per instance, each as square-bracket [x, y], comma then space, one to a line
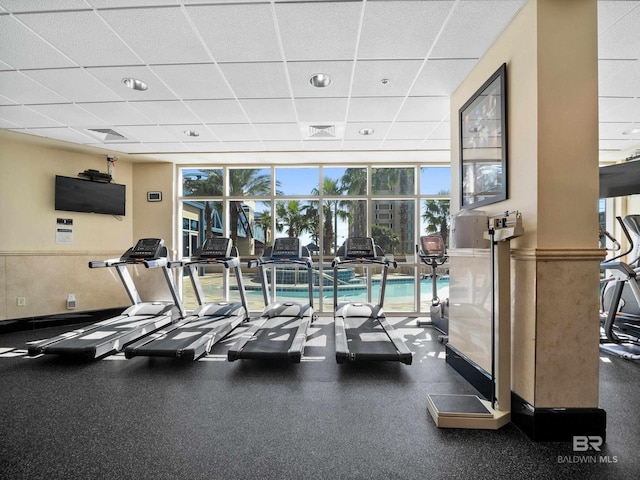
[134, 84]
[191, 133]
[320, 80]
[366, 131]
[633, 131]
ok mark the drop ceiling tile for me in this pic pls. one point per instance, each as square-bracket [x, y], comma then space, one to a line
[615, 130]
[167, 112]
[418, 21]
[619, 79]
[22, 6]
[6, 101]
[200, 81]
[623, 109]
[436, 145]
[21, 48]
[4, 66]
[239, 132]
[147, 134]
[278, 131]
[466, 35]
[217, 111]
[621, 40]
[401, 145]
[300, 74]
[321, 110]
[167, 147]
[130, 147]
[399, 75]
[204, 134]
[112, 78]
[611, 12]
[319, 31]
[623, 144]
[411, 130]
[322, 145]
[257, 80]
[82, 36]
[441, 77]
[157, 35]
[116, 113]
[67, 114]
[284, 146]
[19, 88]
[244, 146]
[380, 129]
[204, 147]
[364, 109]
[74, 84]
[441, 132]
[362, 144]
[26, 117]
[63, 133]
[419, 109]
[8, 125]
[237, 32]
[264, 110]
[129, 3]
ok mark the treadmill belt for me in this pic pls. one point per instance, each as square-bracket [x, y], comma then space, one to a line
[276, 335]
[365, 336]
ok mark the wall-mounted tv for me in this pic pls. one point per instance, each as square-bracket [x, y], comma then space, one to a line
[77, 195]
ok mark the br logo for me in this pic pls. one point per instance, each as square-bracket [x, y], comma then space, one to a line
[583, 443]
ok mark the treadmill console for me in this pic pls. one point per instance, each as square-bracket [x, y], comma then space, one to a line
[286, 247]
[432, 246]
[359, 247]
[147, 248]
[215, 247]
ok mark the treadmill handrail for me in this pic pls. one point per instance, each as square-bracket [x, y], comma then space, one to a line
[378, 261]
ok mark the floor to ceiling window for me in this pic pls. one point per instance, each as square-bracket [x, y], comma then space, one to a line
[323, 205]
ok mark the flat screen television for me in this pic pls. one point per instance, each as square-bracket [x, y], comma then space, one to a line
[78, 195]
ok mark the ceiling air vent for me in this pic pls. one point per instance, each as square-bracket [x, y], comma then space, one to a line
[106, 134]
[322, 131]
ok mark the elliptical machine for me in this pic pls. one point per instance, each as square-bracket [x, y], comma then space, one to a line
[433, 253]
[620, 297]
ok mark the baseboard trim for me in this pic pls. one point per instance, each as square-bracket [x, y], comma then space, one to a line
[557, 424]
[539, 424]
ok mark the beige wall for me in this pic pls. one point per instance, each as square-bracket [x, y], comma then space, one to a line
[32, 264]
[551, 54]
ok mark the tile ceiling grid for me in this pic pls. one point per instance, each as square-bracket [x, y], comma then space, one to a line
[256, 85]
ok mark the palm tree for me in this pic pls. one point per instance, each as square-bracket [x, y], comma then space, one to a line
[436, 216]
[291, 215]
[331, 211]
[354, 182]
[244, 182]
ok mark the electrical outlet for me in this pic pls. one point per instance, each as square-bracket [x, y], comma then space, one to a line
[71, 301]
[21, 301]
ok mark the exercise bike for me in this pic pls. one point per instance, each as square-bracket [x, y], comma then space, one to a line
[433, 253]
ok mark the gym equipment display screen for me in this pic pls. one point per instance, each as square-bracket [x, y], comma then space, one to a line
[360, 247]
[288, 247]
[78, 195]
[216, 247]
[147, 248]
[483, 143]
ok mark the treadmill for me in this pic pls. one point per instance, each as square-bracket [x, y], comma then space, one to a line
[281, 331]
[142, 318]
[210, 322]
[362, 331]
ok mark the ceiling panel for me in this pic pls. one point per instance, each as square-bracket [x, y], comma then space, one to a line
[93, 43]
[257, 80]
[19, 88]
[21, 48]
[74, 84]
[238, 33]
[385, 78]
[418, 21]
[157, 35]
[319, 31]
[240, 71]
